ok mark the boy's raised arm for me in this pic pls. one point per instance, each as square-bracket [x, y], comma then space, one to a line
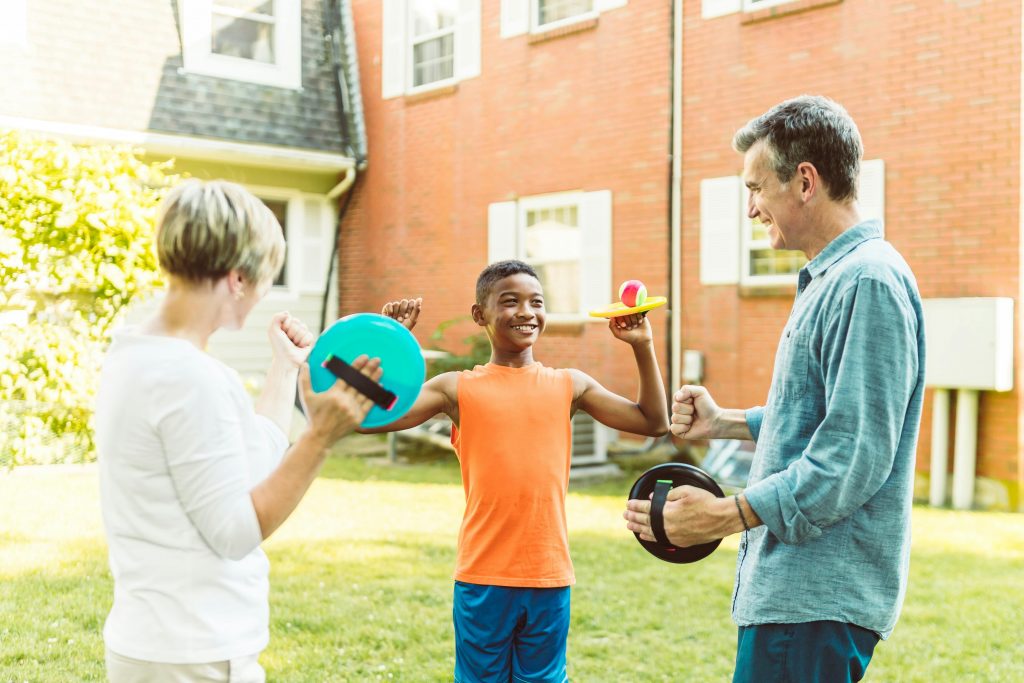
[649, 413]
[438, 394]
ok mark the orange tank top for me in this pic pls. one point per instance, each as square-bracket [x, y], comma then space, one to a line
[514, 444]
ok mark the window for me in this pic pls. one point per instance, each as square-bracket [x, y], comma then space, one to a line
[13, 23]
[566, 237]
[537, 16]
[717, 8]
[428, 44]
[549, 14]
[279, 208]
[735, 249]
[308, 222]
[762, 265]
[551, 244]
[754, 5]
[432, 40]
[258, 41]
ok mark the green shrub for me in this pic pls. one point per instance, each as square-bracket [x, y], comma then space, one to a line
[76, 247]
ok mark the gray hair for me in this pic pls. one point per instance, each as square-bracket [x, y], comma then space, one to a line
[207, 229]
[813, 129]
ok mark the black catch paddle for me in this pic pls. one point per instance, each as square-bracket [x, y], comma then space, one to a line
[659, 480]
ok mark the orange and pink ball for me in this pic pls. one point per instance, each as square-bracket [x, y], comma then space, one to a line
[633, 293]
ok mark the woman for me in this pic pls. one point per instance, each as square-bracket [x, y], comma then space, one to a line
[192, 477]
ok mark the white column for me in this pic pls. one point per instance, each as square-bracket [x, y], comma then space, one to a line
[940, 447]
[965, 448]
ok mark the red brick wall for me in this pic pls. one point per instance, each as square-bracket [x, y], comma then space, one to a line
[935, 90]
[585, 111]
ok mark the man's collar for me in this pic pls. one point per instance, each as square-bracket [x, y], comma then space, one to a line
[847, 241]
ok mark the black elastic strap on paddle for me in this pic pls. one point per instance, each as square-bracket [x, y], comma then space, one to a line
[661, 490]
[360, 382]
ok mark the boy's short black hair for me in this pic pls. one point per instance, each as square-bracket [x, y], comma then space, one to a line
[499, 270]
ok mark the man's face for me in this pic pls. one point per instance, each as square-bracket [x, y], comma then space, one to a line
[772, 202]
[514, 311]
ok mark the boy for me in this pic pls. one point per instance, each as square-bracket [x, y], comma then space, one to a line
[512, 433]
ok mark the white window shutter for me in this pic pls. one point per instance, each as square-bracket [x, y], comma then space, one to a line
[596, 266]
[515, 17]
[467, 40]
[709, 9]
[605, 5]
[314, 245]
[721, 219]
[871, 190]
[501, 231]
[393, 48]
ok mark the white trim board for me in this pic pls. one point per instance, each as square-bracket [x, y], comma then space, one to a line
[189, 147]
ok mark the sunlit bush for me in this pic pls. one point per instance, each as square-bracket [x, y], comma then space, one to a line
[76, 247]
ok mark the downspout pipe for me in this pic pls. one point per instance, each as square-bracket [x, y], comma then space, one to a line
[339, 38]
[675, 204]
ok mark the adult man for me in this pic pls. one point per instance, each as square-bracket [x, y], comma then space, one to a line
[822, 566]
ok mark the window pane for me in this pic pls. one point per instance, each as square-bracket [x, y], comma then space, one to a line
[772, 262]
[245, 38]
[549, 11]
[434, 60]
[553, 246]
[265, 7]
[279, 208]
[430, 16]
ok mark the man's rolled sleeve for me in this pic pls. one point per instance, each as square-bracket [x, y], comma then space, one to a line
[754, 416]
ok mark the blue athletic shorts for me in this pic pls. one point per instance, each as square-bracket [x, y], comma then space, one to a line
[817, 651]
[510, 634]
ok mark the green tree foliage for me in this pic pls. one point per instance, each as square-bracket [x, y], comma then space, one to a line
[76, 247]
[475, 349]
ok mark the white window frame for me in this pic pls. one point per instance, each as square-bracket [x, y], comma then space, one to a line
[747, 245]
[506, 228]
[294, 234]
[396, 41]
[411, 40]
[537, 27]
[198, 57]
[755, 5]
[557, 200]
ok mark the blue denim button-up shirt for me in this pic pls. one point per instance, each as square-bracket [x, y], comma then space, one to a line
[832, 476]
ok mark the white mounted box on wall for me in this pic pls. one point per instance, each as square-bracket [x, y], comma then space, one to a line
[969, 343]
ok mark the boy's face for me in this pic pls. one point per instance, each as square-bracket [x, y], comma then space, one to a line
[513, 313]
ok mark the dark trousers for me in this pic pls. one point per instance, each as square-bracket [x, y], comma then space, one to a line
[817, 651]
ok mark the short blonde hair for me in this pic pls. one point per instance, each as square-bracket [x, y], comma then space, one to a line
[207, 229]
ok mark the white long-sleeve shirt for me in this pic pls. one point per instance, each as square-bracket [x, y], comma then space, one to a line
[180, 448]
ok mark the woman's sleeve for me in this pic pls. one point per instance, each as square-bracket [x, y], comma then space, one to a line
[201, 432]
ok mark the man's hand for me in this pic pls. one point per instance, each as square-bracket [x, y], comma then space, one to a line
[694, 413]
[405, 311]
[634, 329]
[691, 516]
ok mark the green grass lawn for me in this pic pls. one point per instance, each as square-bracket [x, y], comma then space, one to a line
[361, 587]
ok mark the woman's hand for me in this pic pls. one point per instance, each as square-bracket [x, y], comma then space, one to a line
[290, 340]
[340, 409]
